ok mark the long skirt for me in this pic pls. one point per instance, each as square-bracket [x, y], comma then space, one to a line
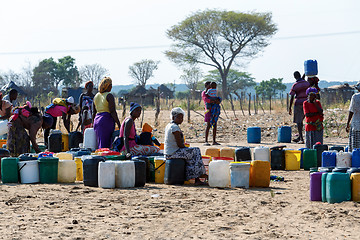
[312, 137]
[143, 150]
[18, 141]
[194, 166]
[354, 139]
[104, 126]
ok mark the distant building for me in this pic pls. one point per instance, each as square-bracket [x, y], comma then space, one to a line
[337, 94]
[140, 95]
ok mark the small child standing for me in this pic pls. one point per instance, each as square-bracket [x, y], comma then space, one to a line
[212, 94]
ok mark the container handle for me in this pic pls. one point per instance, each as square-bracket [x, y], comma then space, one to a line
[22, 167]
[160, 166]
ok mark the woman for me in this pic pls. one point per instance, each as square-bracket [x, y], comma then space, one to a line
[5, 108]
[104, 114]
[314, 118]
[354, 119]
[175, 148]
[128, 133]
[86, 106]
[18, 141]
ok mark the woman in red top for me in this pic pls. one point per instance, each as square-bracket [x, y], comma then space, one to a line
[314, 118]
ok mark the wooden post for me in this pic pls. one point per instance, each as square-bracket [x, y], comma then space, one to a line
[249, 103]
[270, 103]
[287, 101]
[188, 108]
[157, 103]
[255, 109]
[142, 117]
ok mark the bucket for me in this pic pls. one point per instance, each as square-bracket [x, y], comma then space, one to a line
[262, 153]
[29, 171]
[79, 169]
[90, 139]
[259, 174]
[174, 171]
[159, 169]
[253, 135]
[338, 187]
[219, 173]
[315, 186]
[328, 159]
[106, 173]
[48, 169]
[64, 142]
[243, 154]
[343, 159]
[284, 134]
[355, 187]
[66, 171]
[90, 169]
[239, 174]
[212, 152]
[292, 159]
[227, 152]
[309, 159]
[124, 174]
[9, 170]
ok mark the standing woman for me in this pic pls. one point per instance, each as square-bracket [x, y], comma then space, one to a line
[128, 133]
[354, 119]
[314, 119]
[86, 106]
[175, 148]
[104, 114]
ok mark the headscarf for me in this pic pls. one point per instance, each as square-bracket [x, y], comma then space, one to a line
[104, 84]
[147, 128]
[70, 100]
[87, 84]
[357, 86]
[133, 106]
[311, 89]
[176, 111]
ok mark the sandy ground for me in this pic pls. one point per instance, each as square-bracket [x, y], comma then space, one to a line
[158, 211]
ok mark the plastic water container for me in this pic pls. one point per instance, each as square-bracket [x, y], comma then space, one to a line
[239, 174]
[253, 135]
[125, 174]
[159, 169]
[219, 173]
[319, 149]
[343, 159]
[302, 157]
[64, 142]
[277, 159]
[323, 186]
[29, 171]
[174, 171]
[243, 154]
[106, 173]
[262, 153]
[328, 159]
[340, 169]
[9, 170]
[229, 159]
[90, 169]
[309, 159]
[206, 160]
[3, 153]
[90, 139]
[64, 156]
[55, 141]
[75, 138]
[259, 174]
[325, 169]
[152, 169]
[338, 187]
[292, 159]
[355, 187]
[315, 186]
[45, 154]
[227, 152]
[311, 67]
[79, 169]
[284, 134]
[337, 148]
[4, 127]
[212, 152]
[140, 172]
[66, 171]
[48, 169]
[353, 170]
[355, 158]
[346, 148]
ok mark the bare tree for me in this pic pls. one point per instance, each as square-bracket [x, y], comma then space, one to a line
[191, 77]
[10, 76]
[94, 72]
[143, 70]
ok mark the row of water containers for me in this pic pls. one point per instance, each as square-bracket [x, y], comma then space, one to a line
[254, 134]
[335, 185]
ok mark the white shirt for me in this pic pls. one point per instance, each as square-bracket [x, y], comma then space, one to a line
[170, 141]
[355, 108]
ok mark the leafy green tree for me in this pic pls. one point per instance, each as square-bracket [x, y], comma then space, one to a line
[67, 73]
[143, 70]
[44, 76]
[219, 39]
[270, 88]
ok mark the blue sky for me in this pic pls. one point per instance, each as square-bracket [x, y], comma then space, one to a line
[327, 31]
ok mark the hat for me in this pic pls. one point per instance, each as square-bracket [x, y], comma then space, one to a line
[357, 86]
[70, 100]
[133, 106]
[176, 111]
[311, 89]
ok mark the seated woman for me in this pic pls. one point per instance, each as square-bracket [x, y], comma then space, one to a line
[175, 148]
[128, 133]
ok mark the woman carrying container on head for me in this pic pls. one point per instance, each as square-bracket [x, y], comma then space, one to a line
[314, 119]
[354, 119]
[104, 114]
[175, 148]
[128, 134]
[86, 107]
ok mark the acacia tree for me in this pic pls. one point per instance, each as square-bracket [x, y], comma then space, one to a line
[191, 77]
[143, 70]
[220, 38]
[93, 72]
[269, 89]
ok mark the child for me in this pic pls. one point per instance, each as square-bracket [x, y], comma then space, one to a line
[211, 93]
[86, 118]
[146, 137]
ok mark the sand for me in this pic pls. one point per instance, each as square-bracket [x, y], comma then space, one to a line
[158, 211]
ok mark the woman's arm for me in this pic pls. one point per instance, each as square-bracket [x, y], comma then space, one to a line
[179, 139]
[66, 120]
[94, 112]
[34, 128]
[127, 129]
[110, 98]
[349, 120]
[7, 114]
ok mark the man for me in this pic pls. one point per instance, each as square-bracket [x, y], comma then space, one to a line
[298, 91]
[12, 97]
[208, 116]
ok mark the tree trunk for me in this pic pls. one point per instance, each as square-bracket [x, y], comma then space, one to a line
[232, 105]
[224, 110]
[249, 103]
[240, 101]
[224, 87]
[270, 103]
[255, 109]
